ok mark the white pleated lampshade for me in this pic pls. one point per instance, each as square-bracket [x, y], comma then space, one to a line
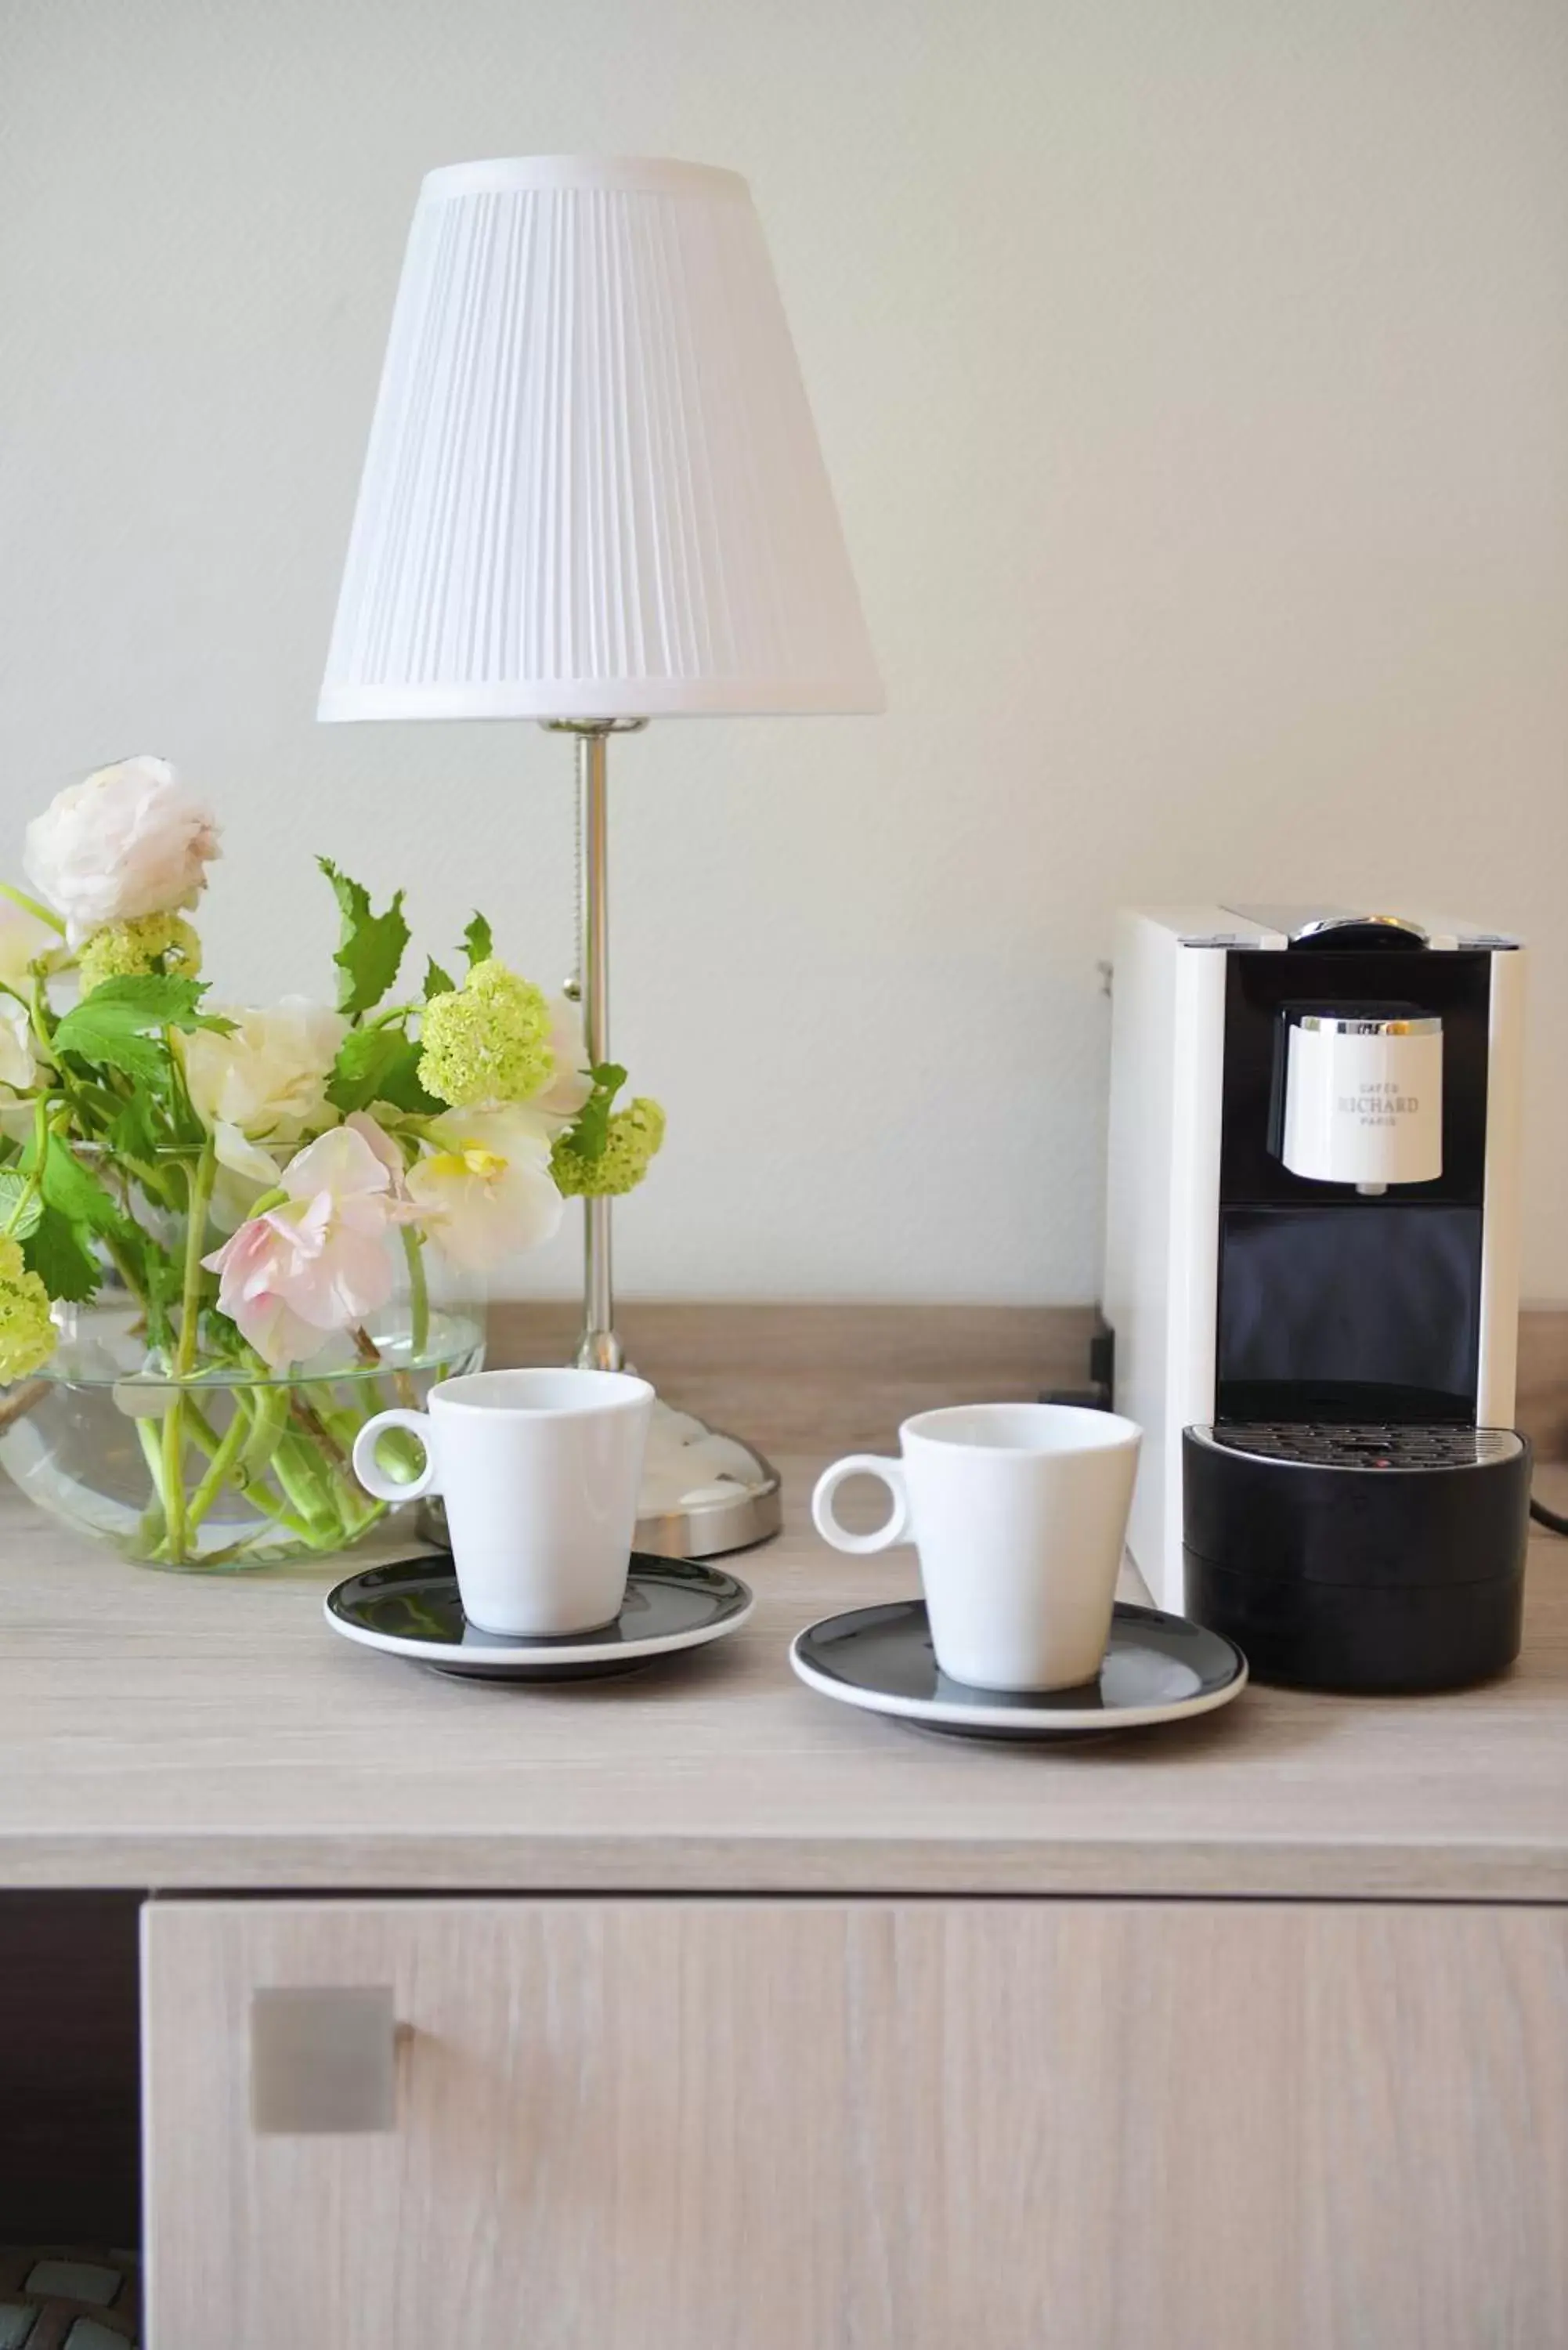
[593, 487]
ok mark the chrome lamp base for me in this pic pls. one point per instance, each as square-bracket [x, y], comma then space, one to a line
[703, 1492]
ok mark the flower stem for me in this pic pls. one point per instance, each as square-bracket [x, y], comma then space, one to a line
[20, 1400]
[157, 1517]
[172, 1482]
[43, 1027]
[154, 1181]
[200, 1183]
[31, 905]
[207, 1438]
[201, 1200]
[307, 1478]
[320, 1435]
[418, 1293]
[270, 1407]
[119, 1256]
[218, 1469]
[35, 1180]
[245, 1480]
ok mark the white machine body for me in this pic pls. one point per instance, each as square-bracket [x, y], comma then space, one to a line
[1360, 1111]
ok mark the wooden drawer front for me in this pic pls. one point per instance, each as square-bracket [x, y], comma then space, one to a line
[693, 2124]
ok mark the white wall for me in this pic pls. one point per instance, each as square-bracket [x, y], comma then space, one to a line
[1194, 378]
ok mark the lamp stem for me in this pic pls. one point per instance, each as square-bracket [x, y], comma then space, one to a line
[741, 1506]
[598, 1349]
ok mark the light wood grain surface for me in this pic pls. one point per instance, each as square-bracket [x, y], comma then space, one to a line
[172, 1731]
[814, 1376]
[733, 2125]
[806, 1378]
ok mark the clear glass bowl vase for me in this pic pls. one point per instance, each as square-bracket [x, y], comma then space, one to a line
[224, 1471]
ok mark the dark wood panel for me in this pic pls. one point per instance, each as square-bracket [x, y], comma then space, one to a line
[69, 2068]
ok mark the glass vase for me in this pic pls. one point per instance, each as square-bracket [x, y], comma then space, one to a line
[224, 1470]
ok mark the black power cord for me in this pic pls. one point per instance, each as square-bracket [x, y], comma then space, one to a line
[1552, 1519]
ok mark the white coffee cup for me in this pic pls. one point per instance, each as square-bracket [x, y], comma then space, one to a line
[540, 1470]
[1019, 1512]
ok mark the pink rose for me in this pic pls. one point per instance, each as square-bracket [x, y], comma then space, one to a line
[319, 1261]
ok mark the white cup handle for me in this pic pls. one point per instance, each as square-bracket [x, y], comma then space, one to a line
[895, 1527]
[389, 1489]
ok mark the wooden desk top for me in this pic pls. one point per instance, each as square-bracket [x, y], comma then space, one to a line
[162, 1730]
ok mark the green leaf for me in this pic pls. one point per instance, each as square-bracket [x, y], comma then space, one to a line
[371, 947]
[99, 1099]
[378, 1065]
[478, 943]
[131, 1131]
[14, 1188]
[120, 1025]
[74, 1191]
[73, 1205]
[56, 1252]
[154, 1000]
[143, 1059]
[589, 1137]
[436, 980]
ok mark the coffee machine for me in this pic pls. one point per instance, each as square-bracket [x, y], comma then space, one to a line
[1311, 1284]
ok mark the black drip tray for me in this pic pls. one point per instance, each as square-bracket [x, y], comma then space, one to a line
[1327, 1573]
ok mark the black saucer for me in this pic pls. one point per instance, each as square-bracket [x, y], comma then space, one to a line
[1157, 1669]
[411, 1608]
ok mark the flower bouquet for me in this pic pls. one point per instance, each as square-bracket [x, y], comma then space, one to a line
[217, 1223]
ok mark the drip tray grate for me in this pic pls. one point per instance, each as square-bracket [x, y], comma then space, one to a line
[1364, 1444]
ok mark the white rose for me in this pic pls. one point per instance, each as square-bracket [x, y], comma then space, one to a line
[486, 1192]
[268, 1080]
[516, 1130]
[129, 840]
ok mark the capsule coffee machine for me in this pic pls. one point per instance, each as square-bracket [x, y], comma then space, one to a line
[1312, 1284]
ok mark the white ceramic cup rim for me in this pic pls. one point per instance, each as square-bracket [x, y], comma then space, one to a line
[601, 1392]
[580, 1395]
[1084, 1427]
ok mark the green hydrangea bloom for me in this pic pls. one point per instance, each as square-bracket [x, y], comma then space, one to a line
[486, 1041]
[635, 1136]
[26, 1333]
[162, 942]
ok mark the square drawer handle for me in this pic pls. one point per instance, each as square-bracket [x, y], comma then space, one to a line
[322, 2061]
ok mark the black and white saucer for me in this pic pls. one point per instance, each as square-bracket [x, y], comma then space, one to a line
[1157, 1669]
[411, 1608]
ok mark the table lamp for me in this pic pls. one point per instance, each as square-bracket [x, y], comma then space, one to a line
[593, 495]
